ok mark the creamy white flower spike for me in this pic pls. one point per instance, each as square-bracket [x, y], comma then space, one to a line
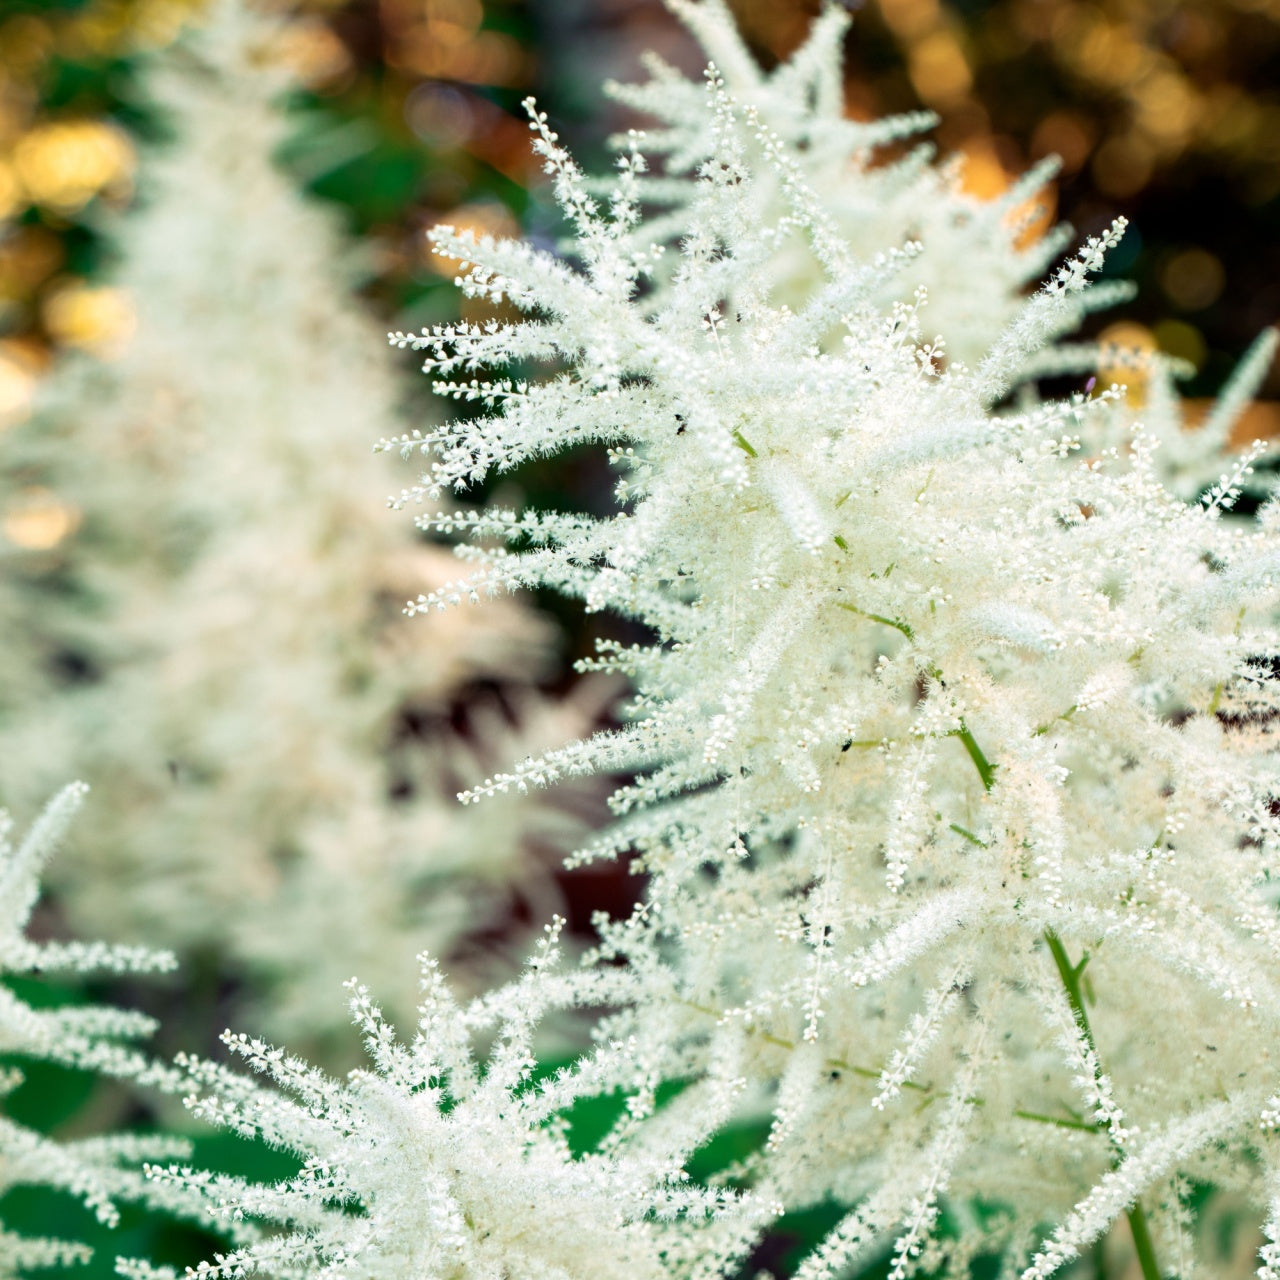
[98, 1171]
[975, 258]
[430, 1165]
[955, 780]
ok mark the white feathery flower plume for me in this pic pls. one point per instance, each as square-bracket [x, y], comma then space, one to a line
[953, 747]
[975, 258]
[98, 1171]
[432, 1164]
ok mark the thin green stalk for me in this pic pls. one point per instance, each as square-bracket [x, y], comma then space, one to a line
[1142, 1243]
[1099, 1261]
[1056, 1121]
[968, 835]
[896, 623]
[986, 770]
[1070, 975]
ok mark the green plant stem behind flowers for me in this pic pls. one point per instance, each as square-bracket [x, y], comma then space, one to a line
[1070, 975]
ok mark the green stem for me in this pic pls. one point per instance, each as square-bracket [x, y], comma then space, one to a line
[1055, 1120]
[1041, 729]
[1070, 975]
[986, 770]
[1142, 1243]
[896, 623]
[1099, 1261]
[968, 835]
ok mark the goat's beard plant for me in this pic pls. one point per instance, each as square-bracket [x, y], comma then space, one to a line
[871, 205]
[100, 1171]
[977, 258]
[955, 783]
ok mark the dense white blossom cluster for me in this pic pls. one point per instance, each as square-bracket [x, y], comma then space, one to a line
[954, 772]
[974, 258]
[1191, 449]
[98, 1171]
[435, 1164]
[216, 642]
[803, 148]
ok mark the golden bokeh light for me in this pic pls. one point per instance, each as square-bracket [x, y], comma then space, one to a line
[37, 520]
[1123, 165]
[938, 68]
[1259, 421]
[28, 255]
[1067, 135]
[11, 193]
[63, 164]
[983, 174]
[107, 27]
[773, 25]
[19, 370]
[910, 19]
[1125, 347]
[26, 40]
[96, 319]
[313, 52]
[1107, 53]
[1166, 107]
[454, 22]
[1185, 341]
[446, 40]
